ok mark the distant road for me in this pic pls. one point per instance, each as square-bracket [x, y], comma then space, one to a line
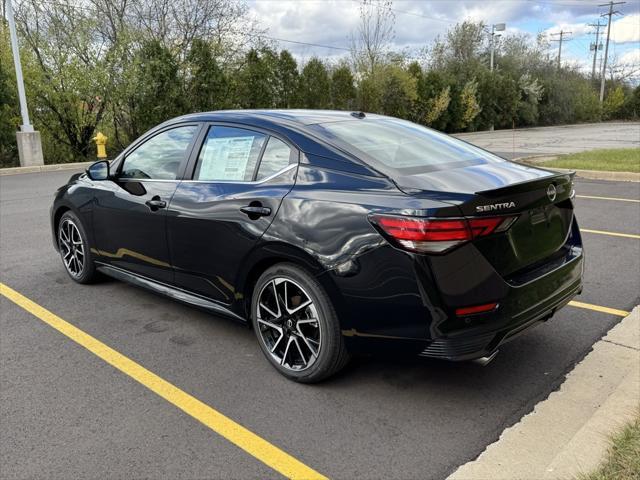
[558, 139]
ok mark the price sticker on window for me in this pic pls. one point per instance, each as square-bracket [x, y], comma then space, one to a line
[225, 158]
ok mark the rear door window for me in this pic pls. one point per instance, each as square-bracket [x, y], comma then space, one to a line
[229, 154]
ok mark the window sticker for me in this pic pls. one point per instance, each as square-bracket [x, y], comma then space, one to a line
[225, 158]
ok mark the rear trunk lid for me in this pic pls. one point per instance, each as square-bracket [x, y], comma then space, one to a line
[540, 199]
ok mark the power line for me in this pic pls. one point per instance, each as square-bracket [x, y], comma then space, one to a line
[259, 35]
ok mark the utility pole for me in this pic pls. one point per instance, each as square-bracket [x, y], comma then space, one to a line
[606, 48]
[562, 34]
[595, 47]
[29, 143]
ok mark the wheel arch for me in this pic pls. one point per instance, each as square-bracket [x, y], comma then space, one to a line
[271, 254]
[57, 216]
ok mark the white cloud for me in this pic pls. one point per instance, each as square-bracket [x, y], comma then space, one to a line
[576, 29]
[582, 64]
[418, 22]
[632, 57]
[626, 29]
[314, 21]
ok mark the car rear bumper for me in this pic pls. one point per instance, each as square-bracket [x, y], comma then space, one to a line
[466, 346]
[413, 312]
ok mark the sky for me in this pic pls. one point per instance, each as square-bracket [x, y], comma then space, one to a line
[418, 22]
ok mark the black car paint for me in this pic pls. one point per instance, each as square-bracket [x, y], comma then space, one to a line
[204, 250]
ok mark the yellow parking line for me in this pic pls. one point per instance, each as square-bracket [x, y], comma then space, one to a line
[613, 234]
[598, 308]
[251, 443]
[609, 198]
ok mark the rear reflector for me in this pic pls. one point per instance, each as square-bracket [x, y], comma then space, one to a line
[436, 235]
[487, 307]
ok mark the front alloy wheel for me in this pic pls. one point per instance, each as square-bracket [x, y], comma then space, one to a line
[74, 249]
[71, 248]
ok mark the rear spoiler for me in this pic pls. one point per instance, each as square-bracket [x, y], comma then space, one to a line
[560, 179]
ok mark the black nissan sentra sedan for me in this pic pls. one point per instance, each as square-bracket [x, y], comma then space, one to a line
[329, 233]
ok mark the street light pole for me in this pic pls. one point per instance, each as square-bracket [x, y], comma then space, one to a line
[491, 41]
[29, 143]
[24, 111]
[496, 27]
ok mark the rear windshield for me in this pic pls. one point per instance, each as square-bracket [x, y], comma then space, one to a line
[397, 146]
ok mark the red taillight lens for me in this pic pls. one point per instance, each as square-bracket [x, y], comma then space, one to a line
[407, 228]
[435, 235]
[484, 226]
[484, 308]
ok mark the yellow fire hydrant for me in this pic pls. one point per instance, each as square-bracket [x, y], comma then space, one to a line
[101, 144]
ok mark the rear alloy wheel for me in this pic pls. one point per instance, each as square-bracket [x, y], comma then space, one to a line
[296, 326]
[74, 249]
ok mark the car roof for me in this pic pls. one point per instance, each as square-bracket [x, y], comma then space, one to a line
[299, 117]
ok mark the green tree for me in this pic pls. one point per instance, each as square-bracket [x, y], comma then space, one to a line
[469, 103]
[287, 78]
[415, 70]
[433, 99]
[157, 97]
[315, 85]
[207, 85]
[631, 108]
[343, 90]
[587, 104]
[612, 105]
[531, 91]
[558, 101]
[8, 104]
[67, 76]
[256, 87]
[464, 45]
[399, 92]
[499, 97]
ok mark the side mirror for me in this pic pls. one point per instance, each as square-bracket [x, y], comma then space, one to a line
[98, 170]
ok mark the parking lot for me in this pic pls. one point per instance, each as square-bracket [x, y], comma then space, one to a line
[556, 140]
[67, 413]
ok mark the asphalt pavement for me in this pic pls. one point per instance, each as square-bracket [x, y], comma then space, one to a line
[65, 413]
[556, 140]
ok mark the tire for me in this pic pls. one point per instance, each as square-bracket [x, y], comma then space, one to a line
[279, 327]
[77, 258]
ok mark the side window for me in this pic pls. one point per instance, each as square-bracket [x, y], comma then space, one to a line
[230, 154]
[276, 156]
[160, 156]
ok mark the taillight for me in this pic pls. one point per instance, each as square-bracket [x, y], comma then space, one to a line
[436, 235]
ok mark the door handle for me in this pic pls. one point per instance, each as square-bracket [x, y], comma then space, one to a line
[155, 203]
[255, 211]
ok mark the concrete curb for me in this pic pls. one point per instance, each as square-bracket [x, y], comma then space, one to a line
[568, 433]
[535, 161]
[44, 168]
